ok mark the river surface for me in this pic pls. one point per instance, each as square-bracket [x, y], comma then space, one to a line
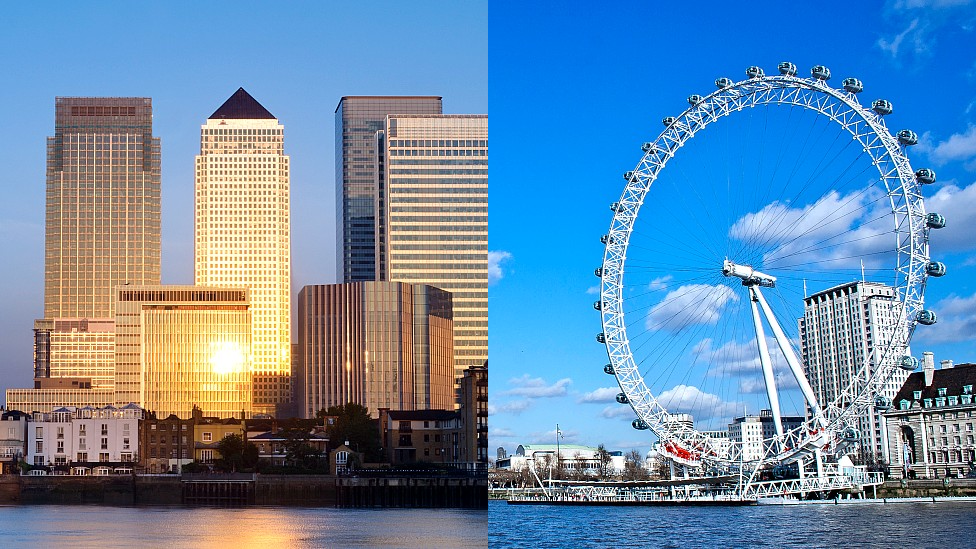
[84, 526]
[941, 525]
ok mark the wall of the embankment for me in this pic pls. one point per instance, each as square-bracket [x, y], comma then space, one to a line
[927, 488]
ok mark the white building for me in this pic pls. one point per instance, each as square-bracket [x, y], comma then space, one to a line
[86, 440]
[13, 434]
[541, 457]
[242, 232]
[756, 433]
[844, 328]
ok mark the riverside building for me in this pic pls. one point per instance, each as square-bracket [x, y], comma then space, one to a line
[378, 344]
[358, 120]
[85, 440]
[181, 347]
[242, 232]
[432, 217]
[844, 328]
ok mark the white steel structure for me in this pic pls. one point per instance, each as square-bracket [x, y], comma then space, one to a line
[797, 183]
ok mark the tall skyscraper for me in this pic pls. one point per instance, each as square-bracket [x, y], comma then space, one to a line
[242, 231]
[842, 329]
[102, 220]
[378, 344]
[435, 217]
[358, 119]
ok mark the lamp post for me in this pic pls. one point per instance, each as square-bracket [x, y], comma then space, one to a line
[558, 434]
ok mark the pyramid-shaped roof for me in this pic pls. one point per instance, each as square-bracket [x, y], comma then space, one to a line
[241, 106]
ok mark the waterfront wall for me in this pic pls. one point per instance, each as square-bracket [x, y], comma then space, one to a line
[463, 492]
[927, 488]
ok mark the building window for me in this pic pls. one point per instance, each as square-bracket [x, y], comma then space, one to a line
[39, 447]
[104, 443]
[81, 430]
[208, 437]
[39, 460]
[105, 429]
[126, 457]
[82, 457]
[103, 456]
[60, 432]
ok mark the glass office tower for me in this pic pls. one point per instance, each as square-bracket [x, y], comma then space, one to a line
[243, 232]
[436, 218]
[102, 218]
[358, 119]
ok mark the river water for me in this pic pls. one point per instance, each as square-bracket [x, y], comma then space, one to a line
[84, 526]
[941, 525]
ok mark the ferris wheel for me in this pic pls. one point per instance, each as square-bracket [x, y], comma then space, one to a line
[765, 207]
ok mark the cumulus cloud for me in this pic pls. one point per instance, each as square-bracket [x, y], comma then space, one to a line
[688, 399]
[536, 387]
[514, 407]
[835, 232]
[495, 261]
[593, 290]
[618, 411]
[911, 33]
[959, 146]
[957, 321]
[549, 437]
[689, 305]
[956, 204]
[660, 283]
[501, 432]
[737, 357]
[603, 394]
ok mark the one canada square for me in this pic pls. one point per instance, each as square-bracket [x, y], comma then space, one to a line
[242, 232]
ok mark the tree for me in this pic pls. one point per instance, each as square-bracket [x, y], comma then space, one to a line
[298, 451]
[606, 462]
[354, 424]
[634, 466]
[579, 466]
[231, 449]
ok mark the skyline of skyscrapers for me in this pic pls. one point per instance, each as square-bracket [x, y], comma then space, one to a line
[242, 231]
[359, 120]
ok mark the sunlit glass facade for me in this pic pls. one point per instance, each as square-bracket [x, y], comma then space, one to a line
[378, 344]
[436, 218]
[184, 346]
[242, 231]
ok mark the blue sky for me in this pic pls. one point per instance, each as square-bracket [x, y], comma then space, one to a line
[576, 90]
[296, 58]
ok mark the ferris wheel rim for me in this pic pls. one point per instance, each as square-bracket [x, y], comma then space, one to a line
[893, 166]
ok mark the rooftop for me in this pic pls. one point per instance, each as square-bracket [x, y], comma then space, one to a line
[952, 379]
[241, 106]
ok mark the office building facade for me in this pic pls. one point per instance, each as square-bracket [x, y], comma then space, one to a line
[359, 158]
[844, 328]
[435, 218]
[377, 344]
[242, 234]
[102, 224]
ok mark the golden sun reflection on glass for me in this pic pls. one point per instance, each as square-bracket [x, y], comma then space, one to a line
[226, 358]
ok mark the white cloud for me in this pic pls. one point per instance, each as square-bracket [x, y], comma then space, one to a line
[930, 4]
[603, 394]
[757, 385]
[549, 437]
[660, 283]
[737, 357]
[689, 305]
[957, 321]
[959, 146]
[501, 432]
[835, 232]
[495, 260]
[892, 46]
[957, 206]
[593, 290]
[620, 410]
[514, 407]
[688, 399]
[536, 387]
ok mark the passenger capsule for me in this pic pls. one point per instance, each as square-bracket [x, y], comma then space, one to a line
[647, 147]
[907, 137]
[786, 68]
[615, 207]
[820, 72]
[882, 107]
[622, 398]
[608, 369]
[629, 177]
[908, 363]
[605, 239]
[640, 424]
[882, 403]
[925, 176]
[598, 272]
[853, 85]
[668, 120]
[934, 221]
[694, 99]
[723, 83]
[935, 268]
[598, 305]
[927, 317]
[850, 434]
[755, 72]
[601, 338]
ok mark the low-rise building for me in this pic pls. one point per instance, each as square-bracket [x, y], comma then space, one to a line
[541, 458]
[473, 407]
[85, 440]
[931, 426]
[209, 431]
[13, 439]
[273, 438]
[166, 444]
[756, 433]
[433, 436]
